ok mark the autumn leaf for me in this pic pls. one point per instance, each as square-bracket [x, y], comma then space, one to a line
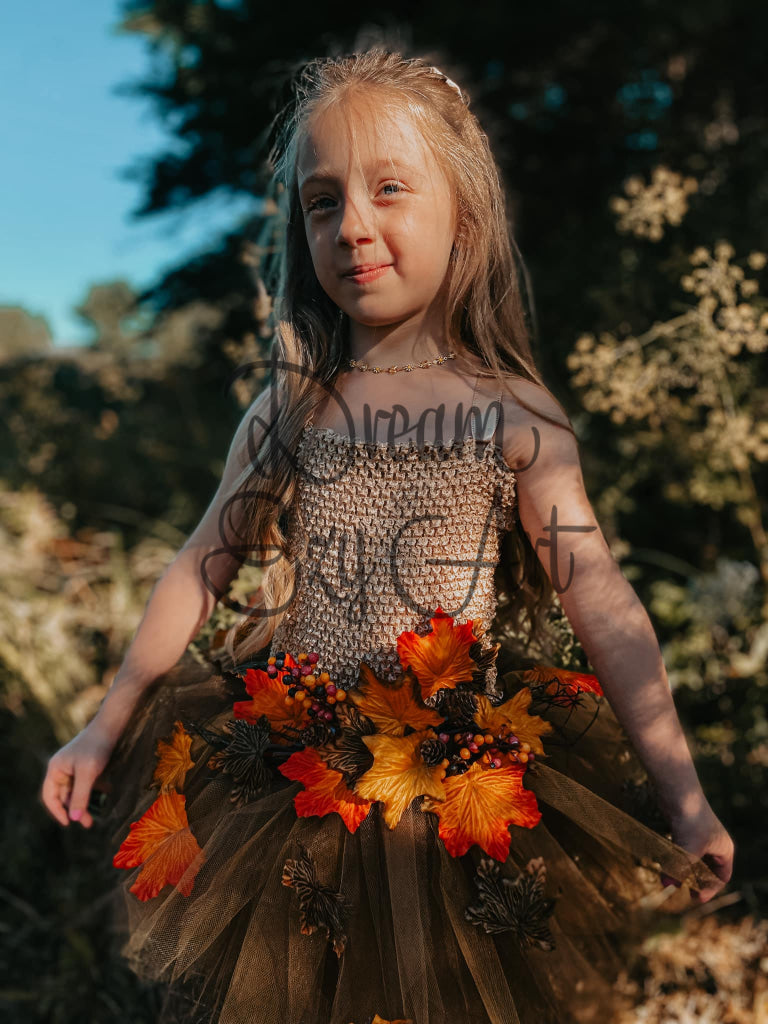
[173, 759]
[512, 716]
[268, 695]
[391, 706]
[325, 790]
[162, 841]
[441, 658]
[574, 682]
[399, 773]
[479, 807]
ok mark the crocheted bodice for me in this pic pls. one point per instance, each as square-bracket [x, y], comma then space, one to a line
[381, 533]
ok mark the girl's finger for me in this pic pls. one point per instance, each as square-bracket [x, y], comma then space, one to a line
[78, 803]
[51, 797]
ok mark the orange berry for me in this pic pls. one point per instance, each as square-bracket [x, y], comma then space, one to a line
[324, 677]
[310, 680]
[479, 739]
[522, 756]
[301, 695]
[464, 753]
[526, 747]
[488, 738]
[341, 695]
[288, 699]
[272, 660]
[302, 656]
[457, 737]
[330, 700]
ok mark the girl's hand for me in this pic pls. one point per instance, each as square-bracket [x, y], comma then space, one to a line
[704, 836]
[72, 770]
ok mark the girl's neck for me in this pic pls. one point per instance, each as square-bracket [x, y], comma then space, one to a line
[397, 344]
[362, 399]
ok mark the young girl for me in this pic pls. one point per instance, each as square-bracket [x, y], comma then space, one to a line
[369, 808]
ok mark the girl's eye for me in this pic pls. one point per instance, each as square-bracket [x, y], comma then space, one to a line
[313, 203]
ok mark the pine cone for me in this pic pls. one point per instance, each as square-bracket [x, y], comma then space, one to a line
[315, 734]
[459, 707]
[432, 752]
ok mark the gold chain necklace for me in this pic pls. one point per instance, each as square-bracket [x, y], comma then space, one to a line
[354, 364]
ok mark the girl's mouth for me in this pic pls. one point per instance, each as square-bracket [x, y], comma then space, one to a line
[368, 275]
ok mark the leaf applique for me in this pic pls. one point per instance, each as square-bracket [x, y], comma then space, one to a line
[173, 760]
[268, 695]
[392, 706]
[320, 905]
[574, 682]
[162, 841]
[441, 658]
[512, 717]
[243, 758]
[516, 905]
[479, 807]
[399, 773]
[325, 790]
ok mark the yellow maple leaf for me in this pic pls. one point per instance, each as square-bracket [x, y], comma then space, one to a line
[398, 773]
[392, 706]
[173, 760]
[512, 716]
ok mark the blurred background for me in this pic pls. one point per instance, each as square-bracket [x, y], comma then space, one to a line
[633, 141]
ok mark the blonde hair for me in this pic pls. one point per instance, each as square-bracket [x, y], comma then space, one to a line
[483, 309]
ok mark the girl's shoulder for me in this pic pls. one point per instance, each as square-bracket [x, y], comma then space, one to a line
[534, 421]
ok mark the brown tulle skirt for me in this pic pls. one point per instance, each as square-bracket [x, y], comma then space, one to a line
[244, 946]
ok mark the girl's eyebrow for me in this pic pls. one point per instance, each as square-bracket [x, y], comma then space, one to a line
[323, 175]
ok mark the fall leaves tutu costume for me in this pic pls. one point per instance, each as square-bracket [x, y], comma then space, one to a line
[414, 834]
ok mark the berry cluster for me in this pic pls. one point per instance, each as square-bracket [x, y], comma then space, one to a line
[457, 751]
[305, 683]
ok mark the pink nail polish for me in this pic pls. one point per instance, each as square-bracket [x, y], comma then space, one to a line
[75, 815]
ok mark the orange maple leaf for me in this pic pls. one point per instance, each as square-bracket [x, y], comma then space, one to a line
[268, 695]
[399, 773]
[391, 706]
[173, 760]
[512, 716]
[574, 682]
[162, 841]
[479, 807]
[324, 790]
[441, 658]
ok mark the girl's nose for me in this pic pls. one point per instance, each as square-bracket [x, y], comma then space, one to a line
[356, 224]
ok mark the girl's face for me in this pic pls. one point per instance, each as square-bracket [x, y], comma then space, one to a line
[375, 198]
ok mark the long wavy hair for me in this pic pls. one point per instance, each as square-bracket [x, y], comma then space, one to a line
[484, 309]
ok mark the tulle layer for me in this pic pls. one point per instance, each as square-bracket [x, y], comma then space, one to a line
[298, 920]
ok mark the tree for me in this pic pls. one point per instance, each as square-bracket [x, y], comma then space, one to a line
[22, 333]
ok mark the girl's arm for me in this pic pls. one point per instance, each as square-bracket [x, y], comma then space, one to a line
[179, 605]
[182, 601]
[607, 617]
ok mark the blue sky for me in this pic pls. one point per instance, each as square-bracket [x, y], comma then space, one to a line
[66, 136]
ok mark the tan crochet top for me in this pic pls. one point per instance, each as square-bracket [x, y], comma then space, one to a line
[381, 533]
